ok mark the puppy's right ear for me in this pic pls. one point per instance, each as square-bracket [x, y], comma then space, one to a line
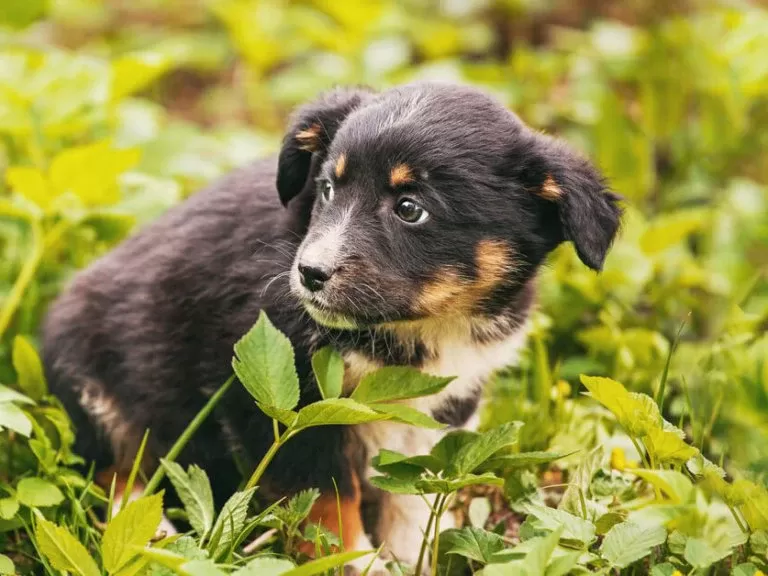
[312, 130]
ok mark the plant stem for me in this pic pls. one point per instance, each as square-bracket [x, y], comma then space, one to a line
[256, 476]
[738, 520]
[425, 540]
[185, 437]
[26, 275]
[436, 539]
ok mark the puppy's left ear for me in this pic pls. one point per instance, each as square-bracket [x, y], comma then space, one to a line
[313, 128]
[588, 211]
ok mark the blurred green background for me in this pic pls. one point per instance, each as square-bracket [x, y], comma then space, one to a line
[113, 110]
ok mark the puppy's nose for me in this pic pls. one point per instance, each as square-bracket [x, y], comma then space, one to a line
[313, 277]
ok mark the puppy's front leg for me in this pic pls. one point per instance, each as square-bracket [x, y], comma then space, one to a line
[402, 526]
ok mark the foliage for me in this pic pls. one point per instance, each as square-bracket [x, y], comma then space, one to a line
[111, 112]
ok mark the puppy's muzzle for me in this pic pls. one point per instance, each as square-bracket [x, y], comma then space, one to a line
[314, 277]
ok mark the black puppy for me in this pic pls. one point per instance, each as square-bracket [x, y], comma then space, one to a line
[406, 228]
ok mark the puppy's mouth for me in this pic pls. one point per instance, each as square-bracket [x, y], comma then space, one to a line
[329, 318]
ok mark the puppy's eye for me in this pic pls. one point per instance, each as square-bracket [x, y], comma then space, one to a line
[327, 191]
[408, 211]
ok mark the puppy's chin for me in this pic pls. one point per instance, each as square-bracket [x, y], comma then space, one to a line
[330, 319]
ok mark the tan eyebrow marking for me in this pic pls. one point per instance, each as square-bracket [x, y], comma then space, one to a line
[400, 174]
[550, 190]
[309, 138]
[341, 165]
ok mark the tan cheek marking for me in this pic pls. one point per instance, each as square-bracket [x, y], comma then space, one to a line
[309, 138]
[493, 263]
[400, 174]
[550, 190]
[326, 512]
[445, 292]
[341, 165]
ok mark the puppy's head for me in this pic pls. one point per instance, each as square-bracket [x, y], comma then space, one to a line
[431, 200]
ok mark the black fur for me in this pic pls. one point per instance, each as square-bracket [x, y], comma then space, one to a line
[151, 326]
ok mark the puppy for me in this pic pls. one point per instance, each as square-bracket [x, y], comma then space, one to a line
[404, 228]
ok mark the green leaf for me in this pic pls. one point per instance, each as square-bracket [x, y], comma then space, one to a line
[13, 418]
[287, 417]
[701, 554]
[6, 565]
[473, 543]
[665, 569]
[540, 553]
[264, 363]
[265, 566]
[62, 549]
[134, 526]
[574, 527]
[8, 507]
[397, 383]
[231, 520]
[408, 415]
[134, 72]
[746, 569]
[479, 511]
[668, 446]
[636, 413]
[446, 486]
[336, 411]
[194, 490]
[201, 568]
[10, 395]
[328, 366]
[449, 446]
[475, 452]
[394, 485]
[322, 565]
[37, 492]
[29, 369]
[581, 480]
[523, 459]
[673, 484]
[626, 543]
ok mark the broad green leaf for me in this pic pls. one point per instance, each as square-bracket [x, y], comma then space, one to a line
[6, 565]
[473, 454]
[62, 549]
[449, 445]
[637, 413]
[165, 558]
[8, 507]
[523, 459]
[446, 486]
[38, 492]
[29, 369]
[473, 543]
[581, 480]
[194, 490]
[670, 229]
[395, 485]
[479, 511]
[753, 502]
[328, 366]
[746, 569]
[287, 417]
[231, 520]
[264, 363]
[397, 383]
[265, 566]
[608, 520]
[574, 527]
[667, 446]
[134, 526]
[10, 395]
[13, 418]
[673, 484]
[626, 543]
[30, 183]
[134, 72]
[540, 552]
[701, 554]
[322, 565]
[407, 415]
[201, 568]
[665, 569]
[336, 411]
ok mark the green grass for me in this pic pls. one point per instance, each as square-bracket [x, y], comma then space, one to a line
[156, 99]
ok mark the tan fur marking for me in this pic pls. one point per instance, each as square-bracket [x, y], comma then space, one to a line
[400, 174]
[550, 190]
[309, 138]
[493, 263]
[326, 512]
[341, 165]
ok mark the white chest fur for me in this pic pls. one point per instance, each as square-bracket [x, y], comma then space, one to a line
[469, 362]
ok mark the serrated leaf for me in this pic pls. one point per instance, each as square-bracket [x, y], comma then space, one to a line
[10, 395]
[676, 486]
[746, 569]
[201, 568]
[336, 411]
[471, 542]
[665, 569]
[265, 566]
[287, 417]
[6, 565]
[38, 492]
[322, 565]
[394, 485]
[231, 520]
[636, 413]
[474, 453]
[397, 383]
[408, 415]
[264, 363]
[667, 446]
[523, 459]
[194, 490]
[701, 554]
[13, 418]
[449, 445]
[62, 549]
[446, 486]
[328, 366]
[8, 507]
[29, 369]
[626, 543]
[540, 553]
[581, 480]
[133, 72]
[134, 526]
[574, 527]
